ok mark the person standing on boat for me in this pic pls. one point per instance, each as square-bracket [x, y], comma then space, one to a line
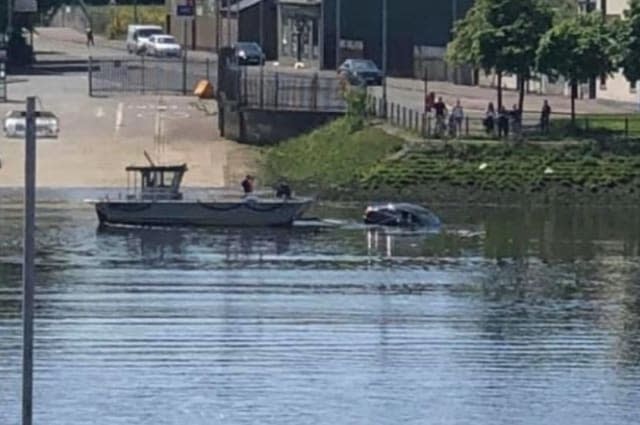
[247, 184]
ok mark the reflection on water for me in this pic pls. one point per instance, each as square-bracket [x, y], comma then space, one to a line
[506, 316]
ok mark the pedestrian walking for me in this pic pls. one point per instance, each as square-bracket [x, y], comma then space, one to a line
[457, 116]
[90, 41]
[503, 123]
[516, 122]
[545, 117]
[441, 111]
[489, 121]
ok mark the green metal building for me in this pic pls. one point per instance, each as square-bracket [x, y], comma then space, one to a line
[410, 24]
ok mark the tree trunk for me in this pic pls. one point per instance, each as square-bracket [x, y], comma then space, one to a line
[574, 94]
[499, 90]
[521, 86]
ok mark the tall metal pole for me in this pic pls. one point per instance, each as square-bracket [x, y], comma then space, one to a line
[338, 30]
[135, 11]
[9, 18]
[237, 21]
[454, 12]
[28, 271]
[218, 21]
[261, 24]
[384, 58]
[321, 35]
[228, 19]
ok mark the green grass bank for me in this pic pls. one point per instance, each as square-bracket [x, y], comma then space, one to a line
[371, 164]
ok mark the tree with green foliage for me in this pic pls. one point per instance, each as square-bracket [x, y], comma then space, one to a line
[577, 49]
[629, 38]
[502, 36]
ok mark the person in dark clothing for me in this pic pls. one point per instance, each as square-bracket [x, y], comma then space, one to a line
[90, 37]
[545, 116]
[516, 121]
[283, 190]
[441, 111]
[247, 184]
[503, 122]
[489, 119]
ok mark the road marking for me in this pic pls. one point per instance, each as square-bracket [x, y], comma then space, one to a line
[119, 117]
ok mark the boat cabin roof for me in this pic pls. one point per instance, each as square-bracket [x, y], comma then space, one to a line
[157, 182]
[158, 168]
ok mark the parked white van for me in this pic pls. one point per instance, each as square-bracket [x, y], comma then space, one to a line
[138, 35]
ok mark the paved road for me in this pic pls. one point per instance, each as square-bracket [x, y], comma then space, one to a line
[100, 136]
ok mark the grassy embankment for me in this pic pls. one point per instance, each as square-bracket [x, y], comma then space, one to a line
[112, 21]
[371, 164]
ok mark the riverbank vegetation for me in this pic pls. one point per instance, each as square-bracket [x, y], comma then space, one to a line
[370, 163]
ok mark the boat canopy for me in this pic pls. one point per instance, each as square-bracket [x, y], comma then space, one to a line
[155, 182]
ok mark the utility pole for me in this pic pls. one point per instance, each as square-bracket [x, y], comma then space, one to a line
[135, 11]
[384, 58]
[218, 21]
[338, 30]
[228, 19]
[28, 271]
[261, 25]
[321, 35]
[9, 18]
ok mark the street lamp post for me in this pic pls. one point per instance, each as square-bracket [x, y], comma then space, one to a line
[28, 270]
[338, 30]
[384, 58]
[9, 18]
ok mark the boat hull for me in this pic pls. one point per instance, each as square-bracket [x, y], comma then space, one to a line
[246, 213]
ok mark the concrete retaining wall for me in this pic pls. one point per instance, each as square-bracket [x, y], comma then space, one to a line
[267, 127]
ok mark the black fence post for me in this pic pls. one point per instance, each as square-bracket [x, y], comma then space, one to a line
[423, 125]
[466, 126]
[276, 90]
[246, 87]
[261, 88]
[208, 74]
[626, 127]
[314, 91]
[184, 73]
[90, 76]
[142, 76]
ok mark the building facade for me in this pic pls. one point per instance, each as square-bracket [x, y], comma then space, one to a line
[614, 87]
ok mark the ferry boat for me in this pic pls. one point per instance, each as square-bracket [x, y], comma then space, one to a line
[154, 198]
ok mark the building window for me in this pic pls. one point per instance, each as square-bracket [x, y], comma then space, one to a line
[603, 82]
[632, 86]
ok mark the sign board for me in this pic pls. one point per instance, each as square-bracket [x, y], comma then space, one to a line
[25, 6]
[184, 10]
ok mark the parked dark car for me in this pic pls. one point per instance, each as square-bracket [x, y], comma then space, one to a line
[249, 53]
[361, 71]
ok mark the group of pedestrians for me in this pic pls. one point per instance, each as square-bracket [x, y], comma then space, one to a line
[455, 118]
[504, 121]
[496, 122]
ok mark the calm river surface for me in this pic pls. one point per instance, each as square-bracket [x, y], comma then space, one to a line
[509, 316]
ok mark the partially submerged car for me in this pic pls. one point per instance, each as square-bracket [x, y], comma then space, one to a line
[400, 214]
[15, 124]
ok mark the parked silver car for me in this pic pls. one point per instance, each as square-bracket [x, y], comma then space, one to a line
[15, 124]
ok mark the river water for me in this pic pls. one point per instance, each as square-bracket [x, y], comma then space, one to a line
[507, 316]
